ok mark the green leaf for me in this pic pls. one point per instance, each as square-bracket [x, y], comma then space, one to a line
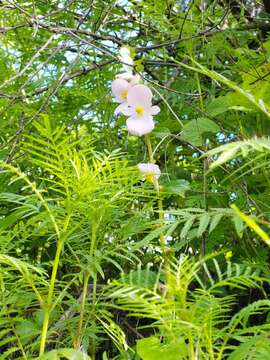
[141, 277]
[151, 349]
[193, 131]
[178, 187]
[180, 244]
[69, 354]
[215, 221]
[218, 105]
[27, 329]
[161, 132]
[239, 225]
[6, 354]
[239, 91]
[257, 348]
[148, 238]
[204, 221]
[231, 101]
[186, 228]
[138, 65]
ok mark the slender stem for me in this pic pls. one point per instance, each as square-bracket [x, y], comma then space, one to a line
[77, 341]
[94, 294]
[55, 268]
[161, 222]
[199, 89]
[191, 352]
[160, 204]
[149, 148]
[205, 168]
[17, 337]
[93, 243]
[162, 240]
[93, 239]
[48, 305]
[44, 332]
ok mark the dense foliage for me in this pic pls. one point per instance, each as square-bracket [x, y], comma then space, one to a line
[97, 262]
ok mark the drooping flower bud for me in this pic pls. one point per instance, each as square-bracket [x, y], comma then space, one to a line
[126, 59]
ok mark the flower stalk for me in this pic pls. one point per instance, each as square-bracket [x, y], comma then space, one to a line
[159, 198]
[136, 103]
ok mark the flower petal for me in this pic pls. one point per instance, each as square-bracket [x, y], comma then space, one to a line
[118, 87]
[140, 125]
[126, 76]
[154, 110]
[120, 108]
[127, 110]
[140, 95]
[135, 80]
[149, 169]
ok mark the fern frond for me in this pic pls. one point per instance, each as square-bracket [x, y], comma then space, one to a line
[203, 220]
[202, 312]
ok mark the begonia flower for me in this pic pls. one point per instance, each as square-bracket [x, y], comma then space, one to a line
[150, 171]
[139, 108]
[120, 89]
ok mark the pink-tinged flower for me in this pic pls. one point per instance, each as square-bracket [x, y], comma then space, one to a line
[140, 110]
[120, 88]
[149, 171]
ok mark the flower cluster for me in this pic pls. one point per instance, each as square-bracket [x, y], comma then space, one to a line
[135, 102]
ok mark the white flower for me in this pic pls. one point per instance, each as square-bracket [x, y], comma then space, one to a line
[140, 110]
[149, 171]
[120, 88]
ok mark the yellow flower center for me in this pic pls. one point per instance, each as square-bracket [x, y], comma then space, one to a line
[150, 178]
[139, 110]
[124, 94]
